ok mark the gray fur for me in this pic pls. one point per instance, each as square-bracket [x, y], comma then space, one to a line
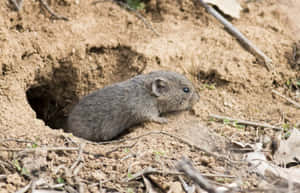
[106, 113]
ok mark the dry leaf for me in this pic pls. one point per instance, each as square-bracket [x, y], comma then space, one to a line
[229, 7]
[288, 149]
[273, 174]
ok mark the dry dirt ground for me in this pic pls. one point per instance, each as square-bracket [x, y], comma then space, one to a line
[46, 65]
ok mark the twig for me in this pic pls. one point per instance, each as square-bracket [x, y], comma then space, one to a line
[126, 6]
[186, 166]
[150, 170]
[186, 187]
[33, 186]
[149, 186]
[70, 189]
[244, 122]
[6, 164]
[50, 186]
[170, 135]
[218, 176]
[69, 139]
[78, 168]
[79, 158]
[286, 98]
[120, 147]
[251, 47]
[25, 189]
[18, 5]
[197, 147]
[17, 140]
[144, 172]
[41, 148]
[128, 156]
[79, 161]
[80, 184]
[271, 190]
[56, 16]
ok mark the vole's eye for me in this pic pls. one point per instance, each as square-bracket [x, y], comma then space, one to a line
[186, 90]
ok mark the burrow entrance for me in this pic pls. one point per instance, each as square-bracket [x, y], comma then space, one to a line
[60, 87]
[52, 97]
[46, 106]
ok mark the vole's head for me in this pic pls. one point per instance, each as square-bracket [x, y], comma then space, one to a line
[173, 91]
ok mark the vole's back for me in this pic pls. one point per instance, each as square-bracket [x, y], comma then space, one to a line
[110, 109]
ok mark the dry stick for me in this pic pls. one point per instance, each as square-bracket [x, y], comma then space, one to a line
[126, 6]
[150, 170]
[246, 122]
[128, 156]
[272, 190]
[120, 147]
[197, 147]
[145, 171]
[80, 184]
[217, 175]
[186, 187]
[70, 189]
[149, 187]
[186, 166]
[33, 186]
[170, 135]
[41, 148]
[286, 98]
[18, 5]
[251, 47]
[7, 164]
[52, 12]
[50, 186]
[25, 189]
[78, 168]
[16, 140]
[79, 158]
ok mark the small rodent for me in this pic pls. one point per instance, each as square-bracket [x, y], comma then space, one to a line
[106, 113]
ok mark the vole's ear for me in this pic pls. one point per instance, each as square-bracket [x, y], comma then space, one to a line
[159, 86]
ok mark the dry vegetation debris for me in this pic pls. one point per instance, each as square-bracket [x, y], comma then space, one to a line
[47, 65]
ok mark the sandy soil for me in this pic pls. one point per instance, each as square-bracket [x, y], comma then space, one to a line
[47, 65]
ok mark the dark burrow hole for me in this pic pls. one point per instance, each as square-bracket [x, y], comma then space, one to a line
[47, 108]
[53, 96]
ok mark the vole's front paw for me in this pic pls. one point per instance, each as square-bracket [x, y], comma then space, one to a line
[160, 120]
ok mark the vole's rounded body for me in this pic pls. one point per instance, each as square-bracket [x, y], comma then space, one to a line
[106, 113]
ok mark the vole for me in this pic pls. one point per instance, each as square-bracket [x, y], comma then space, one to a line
[106, 113]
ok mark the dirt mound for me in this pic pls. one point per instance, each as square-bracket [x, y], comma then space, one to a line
[47, 65]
